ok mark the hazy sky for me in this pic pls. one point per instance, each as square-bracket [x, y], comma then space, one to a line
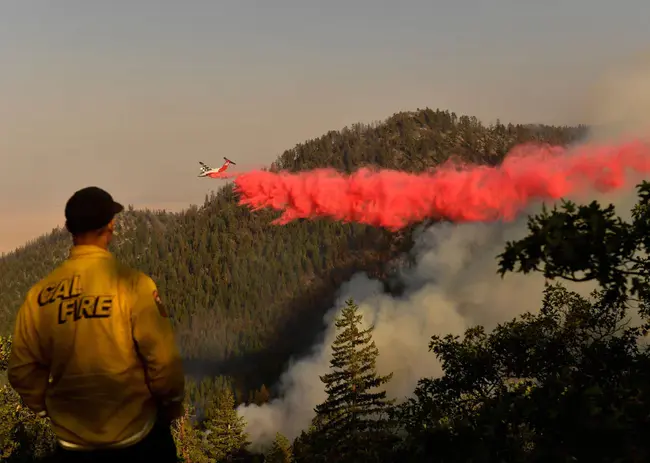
[130, 95]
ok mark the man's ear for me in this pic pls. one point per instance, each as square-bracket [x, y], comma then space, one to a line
[107, 229]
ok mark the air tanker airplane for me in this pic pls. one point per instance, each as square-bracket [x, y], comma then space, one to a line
[207, 171]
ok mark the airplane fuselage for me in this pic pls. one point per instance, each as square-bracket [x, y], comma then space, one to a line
[212, 173]
[215, 173]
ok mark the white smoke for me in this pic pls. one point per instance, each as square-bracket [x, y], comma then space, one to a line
[618, 104]
[453, 286]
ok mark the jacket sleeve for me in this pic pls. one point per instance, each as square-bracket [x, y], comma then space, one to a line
[28, 371]
[155, 342]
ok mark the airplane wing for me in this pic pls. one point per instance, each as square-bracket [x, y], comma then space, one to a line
[204, 166]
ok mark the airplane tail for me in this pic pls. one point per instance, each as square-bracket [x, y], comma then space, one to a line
[228, 160]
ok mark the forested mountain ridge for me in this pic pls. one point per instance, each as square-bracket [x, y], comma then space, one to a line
[246, 295]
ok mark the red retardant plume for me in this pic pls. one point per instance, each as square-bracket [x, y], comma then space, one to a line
[460, 193]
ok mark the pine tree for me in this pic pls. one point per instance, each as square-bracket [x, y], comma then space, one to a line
[224, 428]
[187, 438]
[353, 421]
[305, 447]
[260, 396]
[280, 451]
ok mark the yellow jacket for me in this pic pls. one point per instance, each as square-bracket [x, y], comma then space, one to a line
[94, 350]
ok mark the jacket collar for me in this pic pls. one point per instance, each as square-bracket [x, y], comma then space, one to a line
[88, 250]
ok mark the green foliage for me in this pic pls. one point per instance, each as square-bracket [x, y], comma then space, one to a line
[223, 428]
[588, 242]
[568, 384]
[356, 410]
[305, 448]
[260, 396]
[5, 350]
[537, 388]
[188, 437]
[280, 451]
[24, 437]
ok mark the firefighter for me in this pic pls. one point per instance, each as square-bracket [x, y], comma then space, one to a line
[93, 348]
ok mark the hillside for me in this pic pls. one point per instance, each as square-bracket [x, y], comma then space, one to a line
[245, 294]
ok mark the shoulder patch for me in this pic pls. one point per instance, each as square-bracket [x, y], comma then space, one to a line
[161, 307]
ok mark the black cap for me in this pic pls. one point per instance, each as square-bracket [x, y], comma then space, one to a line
[90, 209]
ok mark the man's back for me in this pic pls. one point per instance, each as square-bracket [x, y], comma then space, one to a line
[94, 327]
